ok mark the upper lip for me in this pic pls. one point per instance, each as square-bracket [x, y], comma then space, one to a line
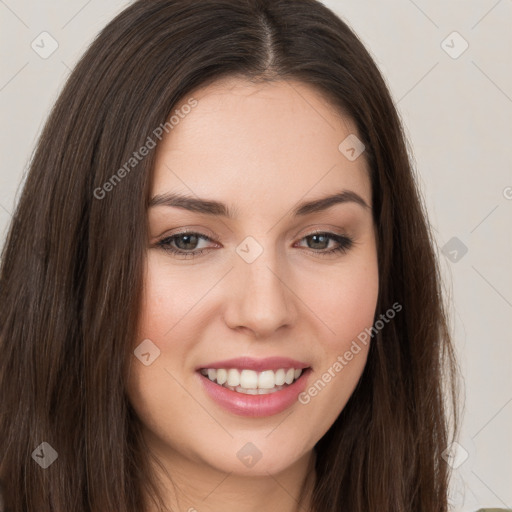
[259, 365]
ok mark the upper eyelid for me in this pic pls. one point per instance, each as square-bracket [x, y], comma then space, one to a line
[342, 227]
[198, 233]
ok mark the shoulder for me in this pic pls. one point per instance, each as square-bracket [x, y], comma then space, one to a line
[494, 510]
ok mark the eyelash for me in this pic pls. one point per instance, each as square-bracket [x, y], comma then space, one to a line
[345, 244]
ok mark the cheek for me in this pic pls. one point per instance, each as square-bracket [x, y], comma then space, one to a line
[153, 394]
[356, 300]
[170, 294]
[348, 305]
[349, 312]
[345, 302]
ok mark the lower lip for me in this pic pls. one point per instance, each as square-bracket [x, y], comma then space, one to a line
[255, 405]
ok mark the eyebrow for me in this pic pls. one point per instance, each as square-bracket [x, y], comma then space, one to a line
[220, 209]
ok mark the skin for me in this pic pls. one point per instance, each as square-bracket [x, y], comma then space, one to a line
[261, 149]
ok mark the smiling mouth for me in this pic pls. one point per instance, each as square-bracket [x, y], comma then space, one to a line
[250, 382]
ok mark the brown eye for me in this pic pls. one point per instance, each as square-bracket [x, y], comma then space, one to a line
[184, 244]
[318, 242]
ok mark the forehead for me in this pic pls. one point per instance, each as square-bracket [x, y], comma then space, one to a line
[243, 142]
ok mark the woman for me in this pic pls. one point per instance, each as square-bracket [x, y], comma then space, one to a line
[220, 289]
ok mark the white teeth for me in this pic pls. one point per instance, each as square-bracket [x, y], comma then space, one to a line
[280, 375]
[222, 376]
[251, 382]
[266, 380]
[248, 379]
[233, 378]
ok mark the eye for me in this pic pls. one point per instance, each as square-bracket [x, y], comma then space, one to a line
[320, 240]
[185, 244]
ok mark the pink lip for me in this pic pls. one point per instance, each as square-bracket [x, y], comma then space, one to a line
[258, 365]
[255, 405]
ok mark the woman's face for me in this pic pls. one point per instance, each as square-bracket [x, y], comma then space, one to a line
[262, 289]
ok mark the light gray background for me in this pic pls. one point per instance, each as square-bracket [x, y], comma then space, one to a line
[457, 113]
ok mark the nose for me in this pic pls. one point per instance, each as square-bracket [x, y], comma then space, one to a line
[261, 297]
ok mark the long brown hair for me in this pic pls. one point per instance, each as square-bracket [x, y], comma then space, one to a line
[71, 270]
